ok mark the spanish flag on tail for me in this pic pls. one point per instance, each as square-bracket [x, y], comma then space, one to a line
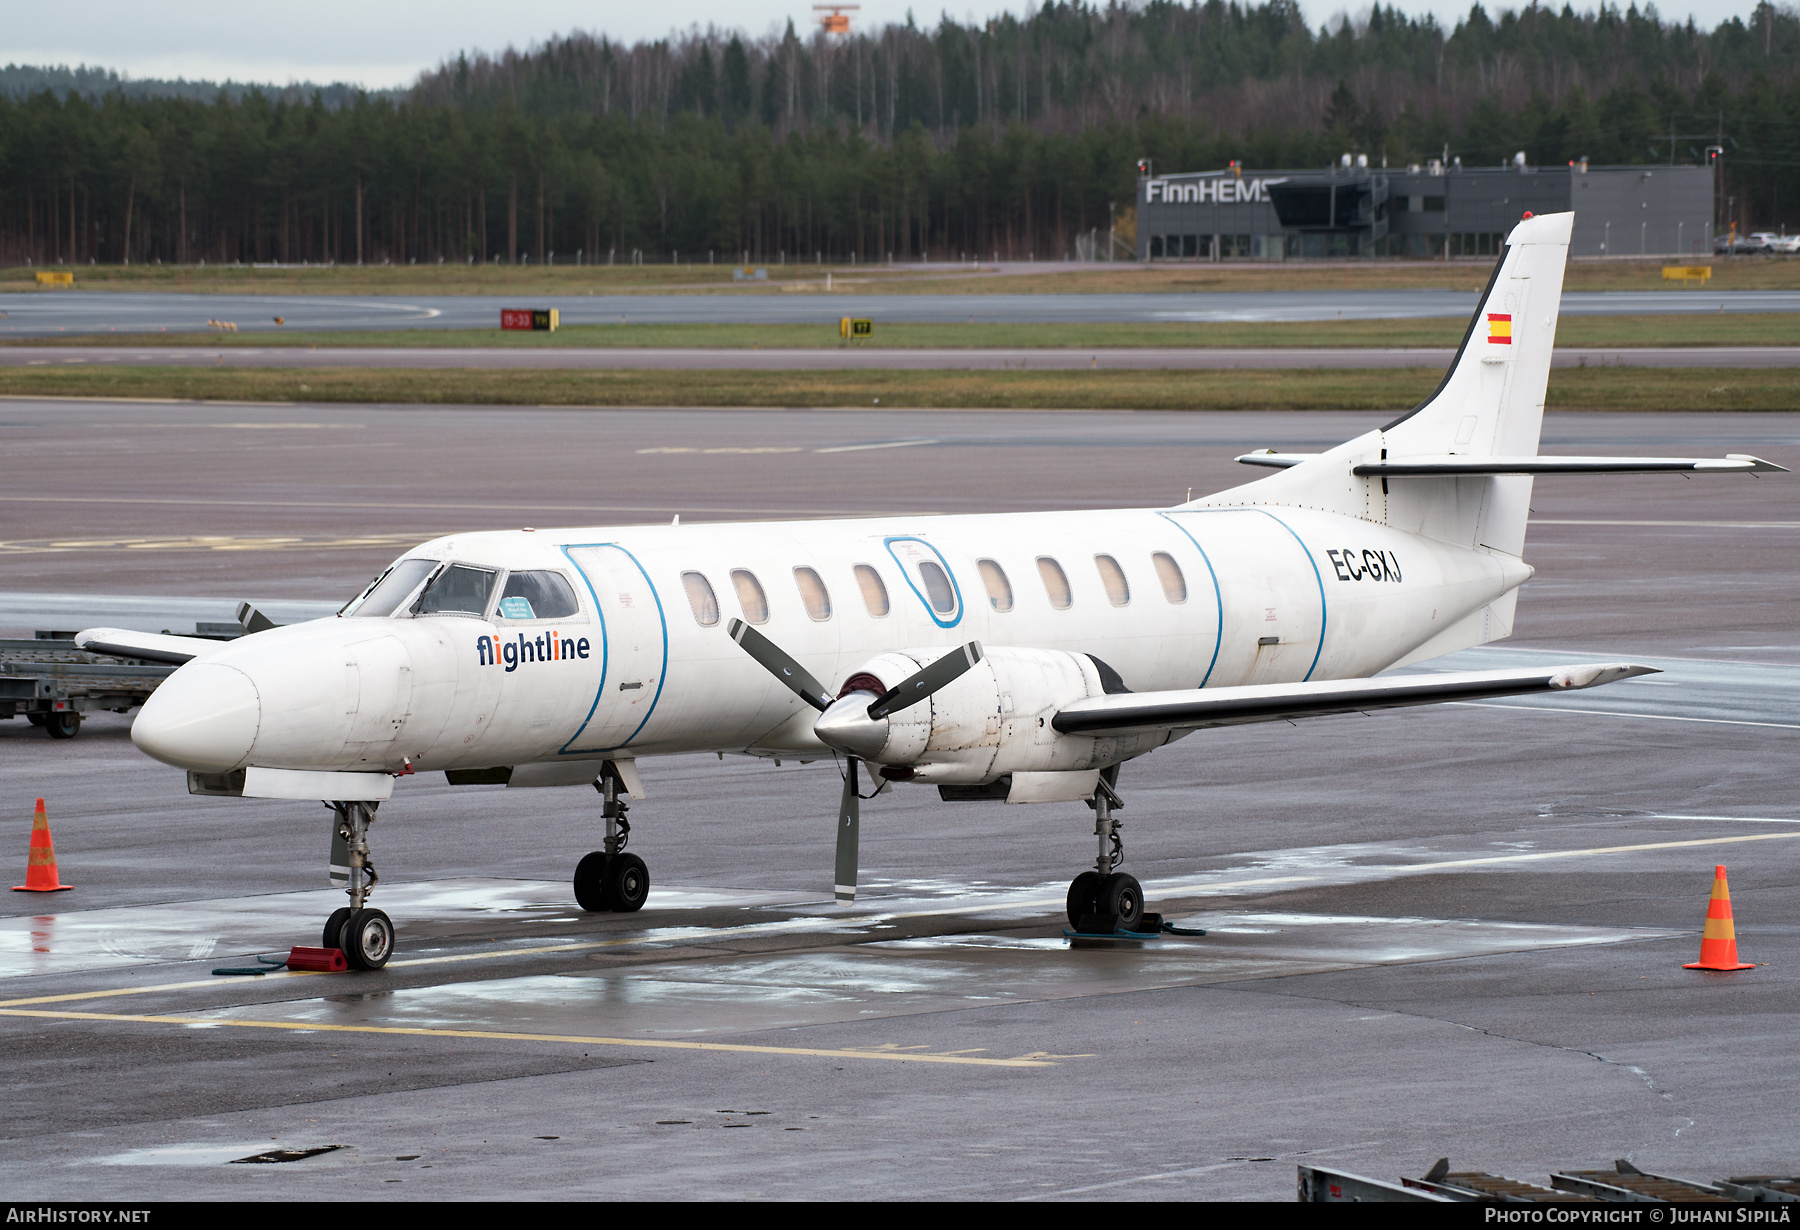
[1500, 328]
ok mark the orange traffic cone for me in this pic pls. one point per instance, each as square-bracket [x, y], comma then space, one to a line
[1718, 943]
[40, 868]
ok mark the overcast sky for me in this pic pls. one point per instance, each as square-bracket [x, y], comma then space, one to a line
[389, 42]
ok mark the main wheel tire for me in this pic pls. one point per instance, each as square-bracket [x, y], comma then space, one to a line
[367, 939]
[36, 719]
[1084, 896]
[334, 927]
[64, 725]
[590, 883]
[1122, 895]
[627, 883]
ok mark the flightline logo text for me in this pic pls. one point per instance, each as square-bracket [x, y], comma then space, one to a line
[545, 647]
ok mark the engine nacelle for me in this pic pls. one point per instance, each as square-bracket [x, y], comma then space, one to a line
[992, 721]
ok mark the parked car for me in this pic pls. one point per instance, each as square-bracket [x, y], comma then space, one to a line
[1754, 242]
[1769, 241]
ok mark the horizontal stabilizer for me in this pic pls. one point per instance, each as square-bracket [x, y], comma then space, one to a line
[150, 646]
[1451, 465]
[1143, 712]
[1454, 464]
[1274, 460]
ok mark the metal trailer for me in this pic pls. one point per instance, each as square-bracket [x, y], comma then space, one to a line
[52, 683]
[1625, 1183]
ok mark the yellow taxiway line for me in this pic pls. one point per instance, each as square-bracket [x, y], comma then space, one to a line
[741, 1048]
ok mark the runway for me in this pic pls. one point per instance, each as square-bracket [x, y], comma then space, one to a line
[1438, 932]
[82, 311]
[848, 359]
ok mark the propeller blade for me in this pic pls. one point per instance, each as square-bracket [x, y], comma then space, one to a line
[849, 822]
[777, 663]
[908, 692]
[252, 620]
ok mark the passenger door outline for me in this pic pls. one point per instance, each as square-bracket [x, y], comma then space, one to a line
[606, 655]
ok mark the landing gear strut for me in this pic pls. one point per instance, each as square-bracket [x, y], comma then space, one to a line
[365, 935]
[1105, 899]
[611, 879]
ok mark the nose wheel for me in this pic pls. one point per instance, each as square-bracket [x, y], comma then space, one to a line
[366, 936]
[611, 880]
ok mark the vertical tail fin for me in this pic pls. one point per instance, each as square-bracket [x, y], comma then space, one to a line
[1491, 403]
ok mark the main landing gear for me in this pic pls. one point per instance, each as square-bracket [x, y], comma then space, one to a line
[611, 879]
[366, 936]
[1105, 900]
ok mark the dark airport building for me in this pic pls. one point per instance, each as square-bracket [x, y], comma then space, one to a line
[1353, 209]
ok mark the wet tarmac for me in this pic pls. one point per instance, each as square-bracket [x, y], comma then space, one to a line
[38, 314]
[1457, 931]
[874, 359]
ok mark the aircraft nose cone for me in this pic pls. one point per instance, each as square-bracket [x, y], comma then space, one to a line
[847, 726]
[204, 717]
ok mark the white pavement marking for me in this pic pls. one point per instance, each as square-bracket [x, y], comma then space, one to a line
[862, 448]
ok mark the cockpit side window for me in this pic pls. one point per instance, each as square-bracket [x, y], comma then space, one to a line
[537, 595]
[458, 590]
[390, 589]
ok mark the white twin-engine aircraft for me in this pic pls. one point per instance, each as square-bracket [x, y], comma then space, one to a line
[1022, 656]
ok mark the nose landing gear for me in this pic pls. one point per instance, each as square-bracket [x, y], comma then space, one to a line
[365, 935]
[610, 879]
[1105, 900]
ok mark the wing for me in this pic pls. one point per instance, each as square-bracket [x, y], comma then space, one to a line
[150, 646]
[1143, 712]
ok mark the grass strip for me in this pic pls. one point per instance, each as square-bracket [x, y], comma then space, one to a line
[1624, 332]
[1610, 388]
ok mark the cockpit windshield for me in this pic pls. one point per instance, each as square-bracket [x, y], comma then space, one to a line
[457, 590]
[390, 589]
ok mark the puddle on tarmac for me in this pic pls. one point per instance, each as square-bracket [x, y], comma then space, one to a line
[431, 910]
[189, 1154]
[928, 943]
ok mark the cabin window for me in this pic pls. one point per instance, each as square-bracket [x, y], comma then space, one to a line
[750, 596]
[1169, 573]
[813, 593]
[998, 587]
[537, 595]
[1118, 589]
[457, 590]
[874, 591]
[1056, 582]
[937, 587]
[391, 588]
[701, 599]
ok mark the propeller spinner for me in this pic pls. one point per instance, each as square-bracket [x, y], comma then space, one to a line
[854, 724]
